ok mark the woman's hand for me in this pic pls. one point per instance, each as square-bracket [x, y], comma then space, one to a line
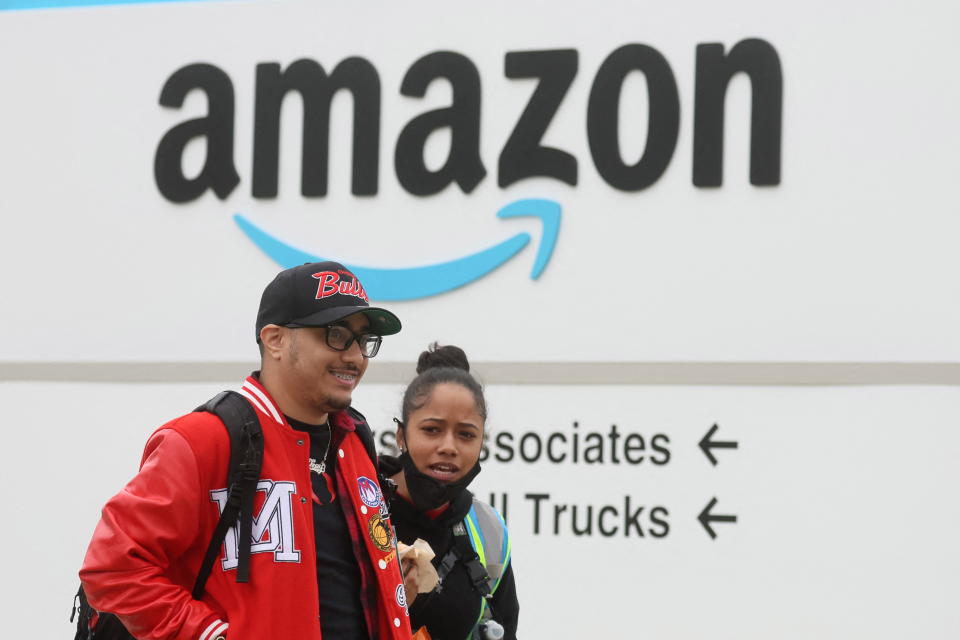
[411, 577]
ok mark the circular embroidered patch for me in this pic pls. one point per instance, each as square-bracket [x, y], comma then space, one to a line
[369, 491]
[380, 533]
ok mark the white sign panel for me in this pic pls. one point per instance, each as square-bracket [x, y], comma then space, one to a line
[843, 499]
[726, 513]
[639, 181]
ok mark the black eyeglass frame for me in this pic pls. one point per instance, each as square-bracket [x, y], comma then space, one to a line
[363, 339]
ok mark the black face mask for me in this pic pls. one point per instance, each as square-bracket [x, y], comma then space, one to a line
[429, 493]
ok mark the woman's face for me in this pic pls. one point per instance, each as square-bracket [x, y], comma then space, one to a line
[444, 436]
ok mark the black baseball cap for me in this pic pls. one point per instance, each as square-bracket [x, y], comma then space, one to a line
[317, 294]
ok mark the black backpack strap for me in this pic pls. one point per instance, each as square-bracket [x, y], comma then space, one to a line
[96, 625]
[246, 458]
[365, 434]
[463, 552]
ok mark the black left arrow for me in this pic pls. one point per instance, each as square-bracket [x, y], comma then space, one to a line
[706, 518]
[707, 444]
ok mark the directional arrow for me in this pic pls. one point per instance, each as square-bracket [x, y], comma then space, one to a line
[706, 518]
[707, 444]
[410, 283]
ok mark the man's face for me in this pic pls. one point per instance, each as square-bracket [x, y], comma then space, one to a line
[318, 376]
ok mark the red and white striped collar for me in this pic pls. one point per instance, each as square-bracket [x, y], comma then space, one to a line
[252, 390]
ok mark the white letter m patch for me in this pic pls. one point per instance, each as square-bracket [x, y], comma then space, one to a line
[272, 527]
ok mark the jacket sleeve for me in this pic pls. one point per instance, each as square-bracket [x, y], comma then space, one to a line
[506, 608]
[133, 567]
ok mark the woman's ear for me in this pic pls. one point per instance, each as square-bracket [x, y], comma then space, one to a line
[401, 441]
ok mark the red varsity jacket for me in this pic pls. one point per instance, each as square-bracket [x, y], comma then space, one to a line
[149, 544]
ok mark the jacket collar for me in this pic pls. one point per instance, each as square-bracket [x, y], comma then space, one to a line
[252, 390]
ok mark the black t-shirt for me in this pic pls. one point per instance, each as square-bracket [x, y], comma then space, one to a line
[338, 576]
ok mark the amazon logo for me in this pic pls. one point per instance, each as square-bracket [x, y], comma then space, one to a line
[430, 280]
[523, 155]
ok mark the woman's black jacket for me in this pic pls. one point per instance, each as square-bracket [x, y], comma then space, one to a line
[450, 612]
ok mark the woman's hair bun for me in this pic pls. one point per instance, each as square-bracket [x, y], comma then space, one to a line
[445, 356]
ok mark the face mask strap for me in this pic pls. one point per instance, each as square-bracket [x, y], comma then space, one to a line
[402, 427]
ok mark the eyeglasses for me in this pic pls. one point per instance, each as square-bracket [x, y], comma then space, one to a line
[339, 338]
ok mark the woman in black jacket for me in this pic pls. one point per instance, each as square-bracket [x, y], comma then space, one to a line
[440, 436]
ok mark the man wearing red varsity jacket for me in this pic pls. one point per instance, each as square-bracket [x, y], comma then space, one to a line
[322, 563]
